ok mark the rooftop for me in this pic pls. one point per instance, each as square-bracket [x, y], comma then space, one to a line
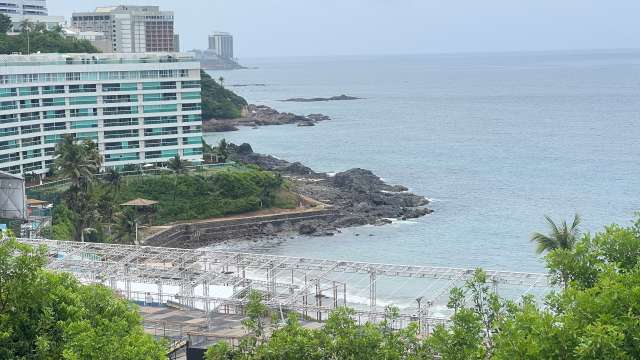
[94, 59]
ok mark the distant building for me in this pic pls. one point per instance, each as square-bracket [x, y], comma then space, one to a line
[176, 42]
[24, 7]
[222, 44]
[130, 29]
[138, 108]
[51, 22]
[97, 39]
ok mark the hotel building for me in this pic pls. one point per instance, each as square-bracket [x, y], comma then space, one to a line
[138, 108]
[136, 29]
[23, 7]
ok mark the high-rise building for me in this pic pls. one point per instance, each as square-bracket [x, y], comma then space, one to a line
[136, 29]
[23, 7]
[222, 44]
[138, 108]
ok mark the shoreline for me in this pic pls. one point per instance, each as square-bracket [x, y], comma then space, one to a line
[261, 115]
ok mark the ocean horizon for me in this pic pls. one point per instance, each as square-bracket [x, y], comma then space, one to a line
[497, 140]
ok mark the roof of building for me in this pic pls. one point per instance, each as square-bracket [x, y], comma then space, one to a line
[6, 175]
[36, 202]
[140, 202]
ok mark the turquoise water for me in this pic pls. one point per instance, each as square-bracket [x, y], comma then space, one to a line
[497, 141]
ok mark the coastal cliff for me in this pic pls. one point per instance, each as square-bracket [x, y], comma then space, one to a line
[358, 196]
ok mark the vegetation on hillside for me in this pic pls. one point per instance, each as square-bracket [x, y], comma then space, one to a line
[218, 102]
[35, 37]
[596, 315]
[46, 315]
[88, 207]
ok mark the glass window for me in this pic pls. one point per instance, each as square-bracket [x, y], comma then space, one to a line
[160, 108]
[83, 100]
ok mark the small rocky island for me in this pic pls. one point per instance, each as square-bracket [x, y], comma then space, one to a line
[358, 196]
[319, 99]
[261, 115]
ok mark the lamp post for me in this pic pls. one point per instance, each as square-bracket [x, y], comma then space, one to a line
[419, 300]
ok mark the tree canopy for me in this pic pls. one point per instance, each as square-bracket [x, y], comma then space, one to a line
[218, 102]
[52, 316]
[35, 37]
[596, 316]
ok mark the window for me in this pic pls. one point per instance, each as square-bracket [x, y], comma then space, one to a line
[8, 92]
[120, 134]
[112, 99]
[86, 88]
[32, 166]
[51, 90]
[160, 108]
[53, 102]
[192, 140]
[120, 122]
[28, 91]
[120, 87]
[161, 131]
[165, 85]
[29, 129]
[191, 95]
[11, 144]
[52, 139]
[28, 104]
[83, 112]
[9, 118]
[160, 97]
[87, 124]
[191, 84]
[30, 154]
[54, 114]
[160, 120]
[10, 157]
[121, 157]
[93, 136]
[192, 118]
[30, 116]
[191, 107]
[121, 110]
[83, 100]
[192, 152]
[122, 145]
[160, 142]
[31, 141]
[55, 126]
[191, 129]
[8, 105]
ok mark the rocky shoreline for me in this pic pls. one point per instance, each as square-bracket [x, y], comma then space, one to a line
[261, 115]
[321, 99]
[358, 196]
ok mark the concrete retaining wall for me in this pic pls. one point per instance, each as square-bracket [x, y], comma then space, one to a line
[199, 234]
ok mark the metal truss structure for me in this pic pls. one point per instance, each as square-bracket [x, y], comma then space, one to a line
[313, 287]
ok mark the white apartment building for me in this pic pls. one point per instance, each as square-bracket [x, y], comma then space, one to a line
[135, 29]
[138, 108]
[222, 44]
[23, 7]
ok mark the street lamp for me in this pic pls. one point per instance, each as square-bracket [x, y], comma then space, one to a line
[419, 300]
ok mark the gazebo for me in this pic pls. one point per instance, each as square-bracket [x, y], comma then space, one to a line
[139, 204]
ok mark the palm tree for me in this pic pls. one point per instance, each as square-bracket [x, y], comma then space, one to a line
[114, 179]
[177, 165]
[560, 237]
[125, 228]
[221, 80]
[78, 162]
[223, 150]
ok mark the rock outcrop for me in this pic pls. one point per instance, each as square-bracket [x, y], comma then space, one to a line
[261, 115]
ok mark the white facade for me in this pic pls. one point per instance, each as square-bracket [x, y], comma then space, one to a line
[51, 22]
[135, 29]
[23, 7]
[138, 108]
[222, 44]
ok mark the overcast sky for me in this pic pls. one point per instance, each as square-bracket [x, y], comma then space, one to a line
[265, 28]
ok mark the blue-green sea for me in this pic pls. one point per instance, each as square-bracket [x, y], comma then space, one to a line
[495, 140]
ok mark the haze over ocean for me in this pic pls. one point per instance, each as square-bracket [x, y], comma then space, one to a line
[496, 140]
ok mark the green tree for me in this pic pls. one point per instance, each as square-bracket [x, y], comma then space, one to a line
[114, 179]
[559, 237]
[223, 150]
[178, 165]
[78, 162]
[218, 102]
[5, 24]
[52, 316]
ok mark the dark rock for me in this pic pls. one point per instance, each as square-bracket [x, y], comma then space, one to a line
[307, 229]
[319, 99]
[244, 149]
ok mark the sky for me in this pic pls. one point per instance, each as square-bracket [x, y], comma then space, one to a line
[273, 28]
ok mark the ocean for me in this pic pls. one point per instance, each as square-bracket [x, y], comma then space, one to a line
[495, 140]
